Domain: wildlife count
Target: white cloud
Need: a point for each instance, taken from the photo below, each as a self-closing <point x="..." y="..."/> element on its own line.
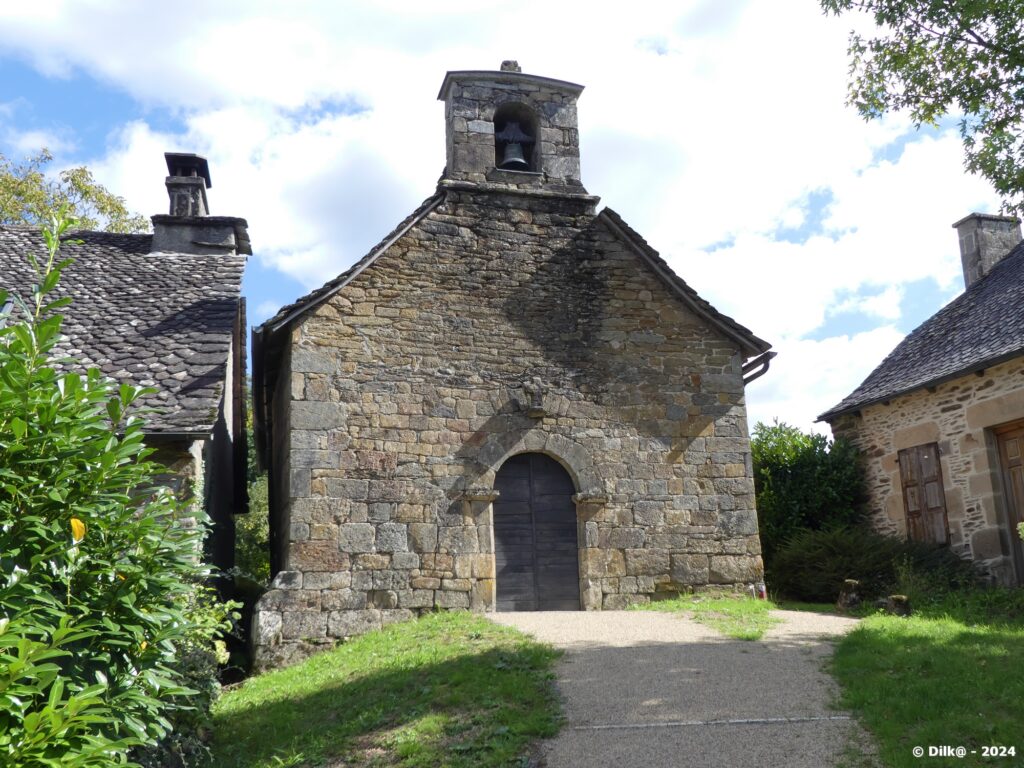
<point x="702" y="123"/>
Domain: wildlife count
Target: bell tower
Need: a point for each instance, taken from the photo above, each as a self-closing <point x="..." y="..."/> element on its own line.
<point x="507" y="130"/>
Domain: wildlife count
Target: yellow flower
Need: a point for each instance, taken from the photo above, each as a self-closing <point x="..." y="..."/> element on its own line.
<point x="144" y="645"/>
<point x="121" y="576"/>
<point x="77" y="530"/>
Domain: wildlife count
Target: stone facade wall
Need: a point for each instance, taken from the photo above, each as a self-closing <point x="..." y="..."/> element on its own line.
<point x="959" y="416"/>
<point x="407" y="394"/>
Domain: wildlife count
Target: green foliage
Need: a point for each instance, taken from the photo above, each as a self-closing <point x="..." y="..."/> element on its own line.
<point x="812" y="565"/>
<point x="449" y="689"/>
<point x="936" y="57"/>
<point x="98" y="567"/>
<point x="28" y="196"/>
<point x="951" y="668"/>
<point x="802" y="482"/>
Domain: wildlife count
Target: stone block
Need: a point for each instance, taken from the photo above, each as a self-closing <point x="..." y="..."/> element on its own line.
<point x="317" y="556"/>
<point x="423" y="537"/>
<point x="290" y="600"/>
<point x="303" y="625"/>
<point x="383" y="598"/>
<point x="315" y="415"/>
<point x="735" y="569"/>
<point x="457" y="539"/>
<point x="313" y="360"/>
<point x="328" y="580"/>
<point x="352" y="623"/>
<point x="345" y="488"/>
<point x="342" y="600"/>
<point x="405" y="561"/>
<point x="392" y="537"/>
<point x="371" y="562"/>
<point x="650" y="562"/>
<point x="622" y="538"/>
<point x="617" y="602"/>
<point x="457" y="585"/>
<point x="287" y="580"/>
<point x="481" y="597"/>
<point x="649" y="513"/>
<point x="450" y="599"/>
<point x="416" y="598"/>
<point x="357" y="537"/>
<point x="266" y="628"/>
<point x="689" y="570"/>
<point x="424" y="582"/>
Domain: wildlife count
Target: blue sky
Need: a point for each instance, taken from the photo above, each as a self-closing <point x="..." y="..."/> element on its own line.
<point x="718" y="130"/>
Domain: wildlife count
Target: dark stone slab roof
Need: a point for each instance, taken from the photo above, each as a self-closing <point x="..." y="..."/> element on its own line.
<point x="162" y="320"/>
<point x="980" y="328"/>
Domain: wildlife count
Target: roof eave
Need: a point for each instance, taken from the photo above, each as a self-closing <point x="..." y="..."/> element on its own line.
<point x="830" y="415"/>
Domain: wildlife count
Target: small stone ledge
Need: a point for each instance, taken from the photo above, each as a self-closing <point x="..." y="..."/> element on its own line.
<point x="590" y="497"/>
<point x="480" y="494"/>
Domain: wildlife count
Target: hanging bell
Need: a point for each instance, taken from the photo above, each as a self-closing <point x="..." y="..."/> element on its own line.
<point x="513" y="159"/>
<point x="514" y="137"/>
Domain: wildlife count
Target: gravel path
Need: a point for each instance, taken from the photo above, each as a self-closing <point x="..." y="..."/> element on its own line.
<point x="658" y="690"/>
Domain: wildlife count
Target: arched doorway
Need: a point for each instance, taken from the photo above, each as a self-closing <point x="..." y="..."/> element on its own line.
<point x="535" y="540"/>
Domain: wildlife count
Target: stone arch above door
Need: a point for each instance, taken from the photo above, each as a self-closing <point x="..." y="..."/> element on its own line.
<point x="569" y="453"/>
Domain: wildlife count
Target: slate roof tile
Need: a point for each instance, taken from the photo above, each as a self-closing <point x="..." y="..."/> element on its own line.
<point x="981" y="327"/>
<point x="155" y="319"/>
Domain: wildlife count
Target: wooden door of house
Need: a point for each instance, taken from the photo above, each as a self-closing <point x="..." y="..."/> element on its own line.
<point x="535" y="541"/>
<point x="1011" y="456"/>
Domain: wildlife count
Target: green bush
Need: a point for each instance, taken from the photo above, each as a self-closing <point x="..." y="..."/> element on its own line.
<point x="802" y="482"/>
<point x="812" y="565"/>
<point x="99" y="568"/>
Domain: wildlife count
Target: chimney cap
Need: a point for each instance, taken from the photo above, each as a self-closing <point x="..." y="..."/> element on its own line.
<point x="987" y="217"/>
<point x="188" y="164"/>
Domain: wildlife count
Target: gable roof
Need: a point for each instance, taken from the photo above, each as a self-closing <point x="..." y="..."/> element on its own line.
<point x="750" y="343"/>
<point x="162" y="320"/>
<point x="733" y="330"/>
<point x="318" y="296"/>
<point x="980" y="328"/>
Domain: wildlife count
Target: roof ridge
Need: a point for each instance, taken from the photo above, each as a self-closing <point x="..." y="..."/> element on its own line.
<point x="942" y="335"/>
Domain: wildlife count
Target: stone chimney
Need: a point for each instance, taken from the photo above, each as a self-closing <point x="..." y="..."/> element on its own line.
<point x="187" y="181"/>
<point x="189" y="227"/>
<point x="984" y="241"/>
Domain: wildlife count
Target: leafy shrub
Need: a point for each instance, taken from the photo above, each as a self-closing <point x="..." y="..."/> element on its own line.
<point x="812" y="565"/>
<point x="98" y="567"/>
<point x="803" y="481"/>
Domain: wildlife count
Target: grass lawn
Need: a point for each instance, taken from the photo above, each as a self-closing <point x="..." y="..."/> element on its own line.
<point x="741" y="618"/>
<point x="451" y="689"/>
<point x="951" y="674"/>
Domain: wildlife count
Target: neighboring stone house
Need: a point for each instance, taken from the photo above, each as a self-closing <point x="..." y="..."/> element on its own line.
<point x="940" y="423"/>
<point x="164" y="310"/>
<point x="510" y="403"/>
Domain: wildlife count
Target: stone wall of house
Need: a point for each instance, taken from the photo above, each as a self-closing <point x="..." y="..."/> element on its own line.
<point x="959" y="416"/>
<point x="407" y="394"/>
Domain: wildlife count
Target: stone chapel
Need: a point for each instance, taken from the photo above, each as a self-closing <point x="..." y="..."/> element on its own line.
<point x="510" y="403"/>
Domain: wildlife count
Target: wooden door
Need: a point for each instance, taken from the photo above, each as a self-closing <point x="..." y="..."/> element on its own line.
<point x="924" y="498"/>
<point x="1011" y="455"/>
<point x="535" y="542"/>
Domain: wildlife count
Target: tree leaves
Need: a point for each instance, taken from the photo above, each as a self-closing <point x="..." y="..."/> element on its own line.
<point x="28" y="195"/>
<point x="934" y="58"/>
